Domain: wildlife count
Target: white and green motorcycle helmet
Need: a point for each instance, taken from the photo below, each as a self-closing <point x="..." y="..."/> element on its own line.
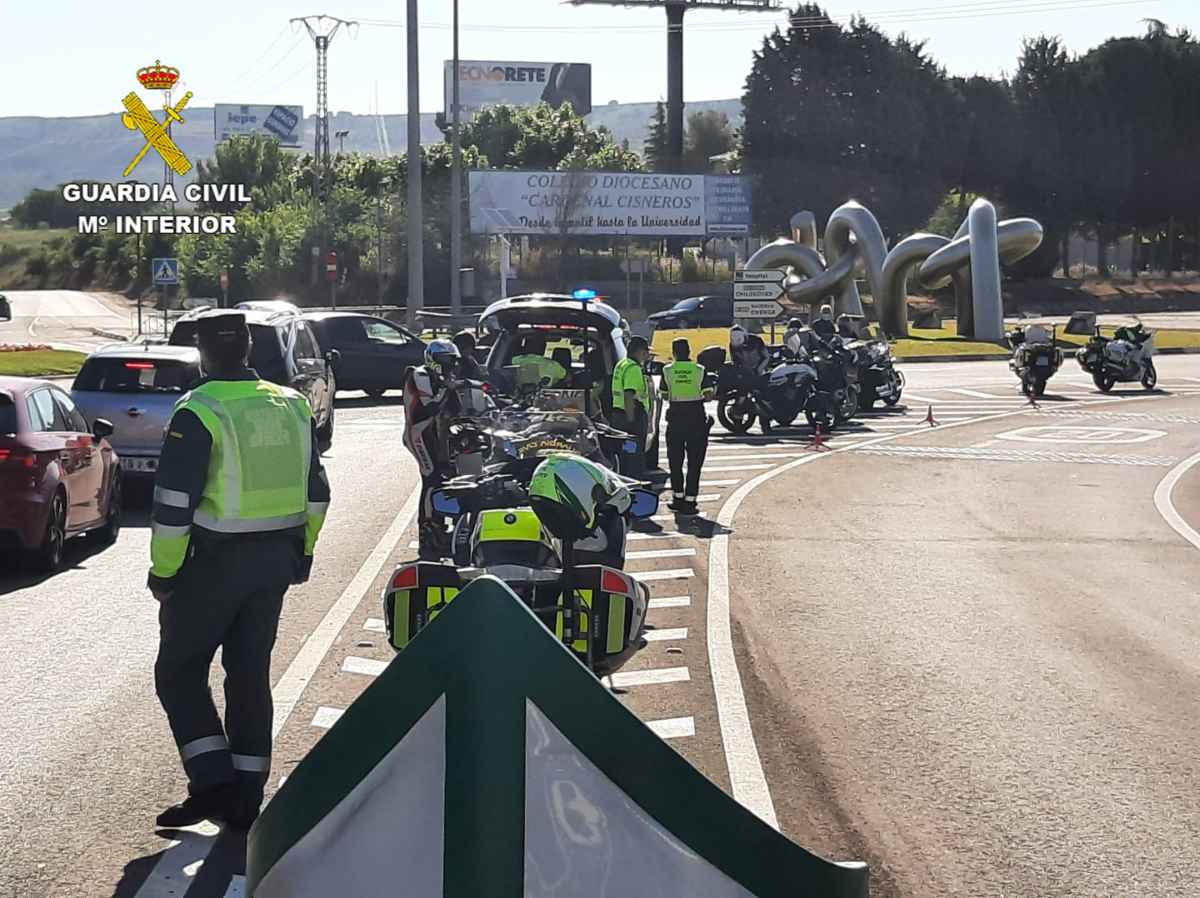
<point x="568" y="491"/>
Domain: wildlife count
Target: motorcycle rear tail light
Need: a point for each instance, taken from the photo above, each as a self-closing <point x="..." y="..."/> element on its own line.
<point x="405" y="578"/>
<point x="613" y="582"/>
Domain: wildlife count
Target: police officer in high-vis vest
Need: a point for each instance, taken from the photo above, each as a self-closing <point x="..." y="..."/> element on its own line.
<point x="631" y="402"/>
<point x="239" y="500"/>
<point x="687" y="425"/>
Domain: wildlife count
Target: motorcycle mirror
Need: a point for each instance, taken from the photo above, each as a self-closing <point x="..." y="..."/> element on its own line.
<point x="447" y="505"/>
<point x="644" y="505"/>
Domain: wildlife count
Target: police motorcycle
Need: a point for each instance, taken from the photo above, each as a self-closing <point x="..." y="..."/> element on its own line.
<point x="878" y="379"/>
<point x="833" y="395"/>
<point x="745" y="396"/>
<point x="1035" y="358"/>
<point x="1124" y="358"/>
<point x="550" y="541"/>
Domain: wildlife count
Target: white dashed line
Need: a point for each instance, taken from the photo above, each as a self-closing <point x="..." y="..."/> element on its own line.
<point x="375" y="625"/>
<point x="365" y="666"/>
<point x="327" y="717"/>
<point x="666" y="634"/>
<point x="660" y="553"/>
<point x="635" y="536"/>
<point x="753" y="456"/>
<point x="673" y="727"/>
<point x="736" y="467"/>
<point x="671" y="602"/>
<point x="733" y="482"/>
<point x="671" y="574"/>
<point x="653" y="677"/>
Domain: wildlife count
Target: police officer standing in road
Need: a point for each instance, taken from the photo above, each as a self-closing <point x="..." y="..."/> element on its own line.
<point x="631" y="402"/>
<point x="687" y="425"/>
<point x="239" y="500"/>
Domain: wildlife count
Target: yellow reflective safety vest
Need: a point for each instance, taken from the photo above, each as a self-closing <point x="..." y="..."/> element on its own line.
<point x="683" y="382"/>
<point x="628" y="375"/>
<point x="261" y="451"/>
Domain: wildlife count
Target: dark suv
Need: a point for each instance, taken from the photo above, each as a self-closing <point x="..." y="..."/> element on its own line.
<point x="284" y="351"/>
<point x="695" y="311"/>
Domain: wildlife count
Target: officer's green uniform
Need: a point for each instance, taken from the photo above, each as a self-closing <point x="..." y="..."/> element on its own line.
<point x="543" y="366"/>
<point x="239" y="500"/>
<point x="628" y="375"/>
<point x="687" y="425"/>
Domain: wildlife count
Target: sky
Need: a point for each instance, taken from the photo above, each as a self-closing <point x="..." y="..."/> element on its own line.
<point x="79" y="57"/>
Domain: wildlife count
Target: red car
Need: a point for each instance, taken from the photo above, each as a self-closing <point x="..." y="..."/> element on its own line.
<point x="57" y="478"/>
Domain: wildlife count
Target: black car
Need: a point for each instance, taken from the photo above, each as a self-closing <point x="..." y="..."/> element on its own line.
<point x="695" y="311"/>
<point x="287" y="352"/>
<point x="373" y="352"/>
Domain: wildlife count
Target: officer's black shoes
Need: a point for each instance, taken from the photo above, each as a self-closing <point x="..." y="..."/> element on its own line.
<point x="210" y="804"/>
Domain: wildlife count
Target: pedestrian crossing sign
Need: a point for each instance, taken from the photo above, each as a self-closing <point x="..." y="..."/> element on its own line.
<point x="165" y="272"/>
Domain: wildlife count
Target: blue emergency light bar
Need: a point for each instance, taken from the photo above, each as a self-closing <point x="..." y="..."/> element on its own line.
<point x="584" y="295"/>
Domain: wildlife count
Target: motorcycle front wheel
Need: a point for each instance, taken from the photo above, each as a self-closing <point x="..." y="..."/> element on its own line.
<point x="1103" y="381"/>
<point x="737" y="415"/>
<point x="849" y="404"/>
<point x="897" y="386"/>
<point x="1149" y="376"/>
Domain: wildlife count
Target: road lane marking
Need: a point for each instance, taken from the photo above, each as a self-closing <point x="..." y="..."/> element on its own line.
<point x="749" y="456"/>
<point x="375" y="625"/>
<point x="733" y="482"/>
<point x="368" y="667"/>
<point x="1165" y="505"/>
<point x="237" y="887"/>
<point x="672" y="574"/>
<point x="961" y="391"/>
<point x="164" y="879"/>
<point x="671" y="602"/>
<point x="1018" y="455"/>
<point x="736" y="467"/>
<point x="327" y="717"/>
<point x="660" y="553"/>
<point x="168" y="879"/>
<point x="655" y="676"/>
<point x="666" y="634"/>
<point x="635" y="535"/>
<point x="673" y="727"/>
<point x="748" y="447"/>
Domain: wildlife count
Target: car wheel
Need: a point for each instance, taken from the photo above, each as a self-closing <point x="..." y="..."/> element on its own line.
<point x="325" y="433"/>
<point x="48" y="556"/>
<point x="107" y="535"/>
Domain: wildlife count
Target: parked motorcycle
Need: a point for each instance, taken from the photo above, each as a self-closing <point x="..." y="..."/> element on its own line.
<point x="577" y="587"/>
<point x="836" y="391"/>
<point x="1126" y="357"/>
<point x="780" y="395"/>
<point x="1035" y="357"/>
<point x="878" y="379"/>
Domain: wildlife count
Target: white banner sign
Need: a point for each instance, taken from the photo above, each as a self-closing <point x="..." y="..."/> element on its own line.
<point x="755" y="290"/>
<point x="756" y="309"/>
<point x="281" y="122"/>
<point x="518" y="84"/>
<point x="587" y="203"/>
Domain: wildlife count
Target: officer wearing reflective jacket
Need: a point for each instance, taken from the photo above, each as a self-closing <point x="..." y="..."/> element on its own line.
<point x="687" y="425"/>
<point x="238" y="503"/>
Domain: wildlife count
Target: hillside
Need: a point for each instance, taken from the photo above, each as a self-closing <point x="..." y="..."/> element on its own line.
<point x="43" y="152"/>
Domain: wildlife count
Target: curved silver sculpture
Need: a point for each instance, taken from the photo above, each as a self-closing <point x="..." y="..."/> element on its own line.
<point x="853" y="237"/>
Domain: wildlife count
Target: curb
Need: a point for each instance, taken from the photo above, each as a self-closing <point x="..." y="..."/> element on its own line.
<point x="112" y="335"/>
<point x="998" y="357"/>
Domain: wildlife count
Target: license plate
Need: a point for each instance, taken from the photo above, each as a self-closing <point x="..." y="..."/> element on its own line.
<point x="140" y="465"/>
<point x="1043" y="362"/>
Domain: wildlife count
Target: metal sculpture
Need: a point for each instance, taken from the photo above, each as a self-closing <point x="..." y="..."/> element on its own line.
<point x="855" y="247"/>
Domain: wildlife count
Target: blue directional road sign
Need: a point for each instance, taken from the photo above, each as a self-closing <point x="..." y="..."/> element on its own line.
<point x="165" y="272"/>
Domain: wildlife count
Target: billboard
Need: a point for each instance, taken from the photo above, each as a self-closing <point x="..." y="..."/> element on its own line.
<point x="482" y="83"/>
<point x="281" y="122"/>
<point x="608" y="203"/>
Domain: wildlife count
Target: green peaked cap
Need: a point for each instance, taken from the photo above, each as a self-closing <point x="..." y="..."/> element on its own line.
<point x="487" y="762"/>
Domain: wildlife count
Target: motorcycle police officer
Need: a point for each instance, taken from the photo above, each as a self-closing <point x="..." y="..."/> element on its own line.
<point x="687" y="425"/>
<point x="428" y="395"/>
<point x="631" y="402"/>
<point x="239" y="500"/>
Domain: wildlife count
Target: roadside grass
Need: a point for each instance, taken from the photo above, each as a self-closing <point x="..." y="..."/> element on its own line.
<point x="40" y="362"/>
<point x="17" y="246"/>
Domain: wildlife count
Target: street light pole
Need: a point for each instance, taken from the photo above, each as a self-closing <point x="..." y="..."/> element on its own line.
<point x="416" y="250"/>
<point x="455" y="183"/>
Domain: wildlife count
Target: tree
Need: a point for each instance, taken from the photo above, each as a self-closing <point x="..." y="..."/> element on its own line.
<point x="708" y="134"/>
<point x="258" y="163"/>
<point x="654" y="150"/>
<point x="834" y="113"/>
<point x="543" y="137"/>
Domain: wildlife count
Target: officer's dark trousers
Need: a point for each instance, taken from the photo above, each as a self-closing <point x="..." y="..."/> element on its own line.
<point x="228" y="595"/>
<point x="632" y="465"/>
<point x="687" y="438"/>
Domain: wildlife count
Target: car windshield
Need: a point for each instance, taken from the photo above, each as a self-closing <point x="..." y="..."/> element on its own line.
<point x="8" y="415"/>
<point x="686" y="305"/>
<point x="264" y="352"/>
<point x="136" y="375"/>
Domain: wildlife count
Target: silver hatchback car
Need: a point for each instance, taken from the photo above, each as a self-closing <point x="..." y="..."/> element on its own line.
<point x="136" y="386"/>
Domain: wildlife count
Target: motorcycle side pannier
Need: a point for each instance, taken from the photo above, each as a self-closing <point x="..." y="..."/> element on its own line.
<point x="414" y="596"/>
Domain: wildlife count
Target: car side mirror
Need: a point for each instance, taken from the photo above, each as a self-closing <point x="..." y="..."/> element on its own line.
<point x="444" y="504"/>
<point x="644" y="505"/>
<point x="333" y="357"/>
<point x="102" y="428"/>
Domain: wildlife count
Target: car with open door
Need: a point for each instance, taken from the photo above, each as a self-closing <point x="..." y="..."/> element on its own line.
<point x="373" y="353"/>
<point x="59" y="478"/>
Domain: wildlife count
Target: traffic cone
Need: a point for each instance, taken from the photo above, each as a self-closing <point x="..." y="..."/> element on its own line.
<point x="1032" y="401"/>
<point x="818" y="440"/>
<point x="929" y="418"/>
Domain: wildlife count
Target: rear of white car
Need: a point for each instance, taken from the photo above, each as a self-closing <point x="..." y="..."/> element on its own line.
<point x="136" y="386"/>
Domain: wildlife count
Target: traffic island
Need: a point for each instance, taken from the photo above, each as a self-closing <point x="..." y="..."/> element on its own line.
<point x="38" y="361"/>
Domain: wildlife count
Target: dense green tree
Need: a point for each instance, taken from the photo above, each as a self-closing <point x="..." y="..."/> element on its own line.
<point x="708" y="134"/>
<point x="654" y="149"/>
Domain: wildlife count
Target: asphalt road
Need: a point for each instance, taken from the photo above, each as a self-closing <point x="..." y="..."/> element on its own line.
<point x="937" y="673"/>
<point x="63" y="318"/>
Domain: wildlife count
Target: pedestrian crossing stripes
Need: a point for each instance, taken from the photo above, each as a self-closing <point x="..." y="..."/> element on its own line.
<point x="659" y="553"/>
<point x="670" y="602"/>
<point x="1123" y="416"/>
<point x="673" y="727"/>
<point x="653" y="677"/>
<point x="666" y="634"/>
<point x="326" y="717"/>
<point x="375" y="625"/>
<point x="682" y="573"/>
<point x="976" y="453"/>
<point x="366" y="666"/>
<point x="759" y="467"/>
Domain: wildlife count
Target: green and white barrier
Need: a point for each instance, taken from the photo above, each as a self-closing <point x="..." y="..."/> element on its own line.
<point x="487" y="762"/>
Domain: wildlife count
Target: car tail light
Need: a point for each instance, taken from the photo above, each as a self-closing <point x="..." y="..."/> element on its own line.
<point x="405" y="578"/>
<point x="22" y="457"/>
<point x="140" y="366"/>
<point x="614" y="582"/>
